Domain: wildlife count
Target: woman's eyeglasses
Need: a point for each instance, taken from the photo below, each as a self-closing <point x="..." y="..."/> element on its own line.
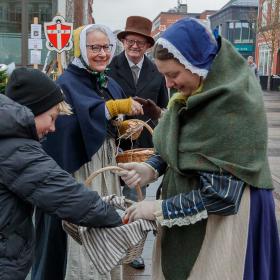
<point x="98" y="48"/>
<point x="140" y="44"/>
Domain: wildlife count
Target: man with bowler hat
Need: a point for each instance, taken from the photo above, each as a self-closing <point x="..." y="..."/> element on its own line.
<point x="140" y="79"/>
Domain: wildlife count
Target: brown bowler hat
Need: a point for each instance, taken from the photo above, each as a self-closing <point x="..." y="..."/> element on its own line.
<point x="138" y="25"/>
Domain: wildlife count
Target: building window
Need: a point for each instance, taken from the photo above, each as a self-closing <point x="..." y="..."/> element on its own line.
<point x="41" y="10"/>
<point x="274" y="4"/>
<point x="264" y="59"/>
<point x="245" y="32"/>
<point x="240" y="32"/>
<point x="220" y="29"/>
<point x="156" y="24"/>
<point x="230" y="31"/>
<point x="10" y="32"/>
<point x="237" y="32"/>
<point x="1" y="13"/>
<point x="11" y="29"/>
<point x="264" y="13"/>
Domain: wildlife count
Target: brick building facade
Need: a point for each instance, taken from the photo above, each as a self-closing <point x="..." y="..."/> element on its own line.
<point x="268" y="31"/>
<point x="165" y="19"/>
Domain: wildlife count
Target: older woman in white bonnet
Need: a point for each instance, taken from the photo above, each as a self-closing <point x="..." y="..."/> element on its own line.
<point x="97" y="45"/>
<point x="86" y="142"/>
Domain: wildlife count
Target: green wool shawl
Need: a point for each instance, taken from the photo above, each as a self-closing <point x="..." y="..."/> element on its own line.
<point x="223" y="128"/>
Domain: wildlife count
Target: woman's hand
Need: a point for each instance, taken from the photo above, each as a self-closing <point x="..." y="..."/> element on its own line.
<point x="126" y="106"/>
<point x="142" y="210"/>
<point x="136" y="109"/>
<point x="137" y="173"/>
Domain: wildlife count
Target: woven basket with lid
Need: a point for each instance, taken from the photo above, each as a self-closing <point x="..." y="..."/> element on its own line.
<point x="136" y="155"/>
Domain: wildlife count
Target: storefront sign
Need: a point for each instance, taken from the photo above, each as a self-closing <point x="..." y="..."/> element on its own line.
<point x="244" y="47"/>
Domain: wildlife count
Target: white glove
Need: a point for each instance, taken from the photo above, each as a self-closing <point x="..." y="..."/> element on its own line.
<point x="142" y="210"/>
<point x="135" y="173"/>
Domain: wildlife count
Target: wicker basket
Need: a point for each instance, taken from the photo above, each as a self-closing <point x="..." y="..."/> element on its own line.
<point x="73" y="230"/>
<point x="137" y="155"/>
<point x="131" y="254"/>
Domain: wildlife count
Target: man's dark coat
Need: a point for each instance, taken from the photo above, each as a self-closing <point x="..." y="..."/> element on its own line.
<point x="151" y="84"/>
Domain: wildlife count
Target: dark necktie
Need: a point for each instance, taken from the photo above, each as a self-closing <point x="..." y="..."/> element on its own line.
<point x="135" y="71"/>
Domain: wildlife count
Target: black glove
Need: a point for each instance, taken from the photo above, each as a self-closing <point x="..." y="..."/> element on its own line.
<point x="150" y="108"/>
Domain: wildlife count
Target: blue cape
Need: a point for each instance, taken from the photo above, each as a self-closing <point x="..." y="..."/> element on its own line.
<point x="79" y="136"/>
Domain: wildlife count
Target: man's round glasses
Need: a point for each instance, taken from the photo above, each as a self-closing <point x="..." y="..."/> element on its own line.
<point x="140" y="44"/>
<point x="98" y="48"/>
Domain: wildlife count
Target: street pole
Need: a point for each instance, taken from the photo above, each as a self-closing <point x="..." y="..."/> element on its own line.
<point x="24" y="32"/>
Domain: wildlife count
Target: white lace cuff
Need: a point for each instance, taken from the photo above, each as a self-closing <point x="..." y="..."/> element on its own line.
<point x="185" y="221"/>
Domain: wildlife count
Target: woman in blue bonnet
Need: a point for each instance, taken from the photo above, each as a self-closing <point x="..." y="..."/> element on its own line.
<point x="215" y="211"/>
<point x="85" y="142"/>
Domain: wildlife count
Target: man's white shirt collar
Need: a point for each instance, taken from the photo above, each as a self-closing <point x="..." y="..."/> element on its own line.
<point x="139" y="64"/>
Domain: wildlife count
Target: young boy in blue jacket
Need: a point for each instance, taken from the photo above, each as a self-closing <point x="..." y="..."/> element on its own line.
<point x="29" y="177"/>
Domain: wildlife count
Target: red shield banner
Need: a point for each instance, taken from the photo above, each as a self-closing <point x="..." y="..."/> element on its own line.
<point x="58" y="34"/>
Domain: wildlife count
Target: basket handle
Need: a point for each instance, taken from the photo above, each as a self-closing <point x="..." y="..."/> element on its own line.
<point x="139" y="192"/>
<point x="144" y="124"/>
<point x="89" y="179"/>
